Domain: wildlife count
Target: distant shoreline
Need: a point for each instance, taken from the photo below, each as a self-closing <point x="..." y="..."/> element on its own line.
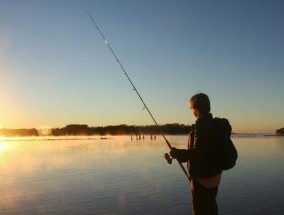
<point x="113" y="130"/>
<point x="85" y="130"/>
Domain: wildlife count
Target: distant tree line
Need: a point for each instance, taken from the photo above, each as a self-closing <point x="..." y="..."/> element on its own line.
<point x="280" y="131"/>
<point x="18" y="132"/>
<point x="75" y="129"/>
<point x="79" y="129"/>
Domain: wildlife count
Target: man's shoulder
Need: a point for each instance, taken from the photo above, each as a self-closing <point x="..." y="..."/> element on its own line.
<point x="204" y="122"/>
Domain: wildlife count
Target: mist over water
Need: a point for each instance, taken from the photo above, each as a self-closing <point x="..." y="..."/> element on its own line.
<point x="120" y="176"/>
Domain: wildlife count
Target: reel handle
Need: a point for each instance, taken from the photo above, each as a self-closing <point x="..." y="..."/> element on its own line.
<point x="168" y="158"/>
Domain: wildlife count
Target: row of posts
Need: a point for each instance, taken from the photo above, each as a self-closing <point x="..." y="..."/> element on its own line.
<point x="142" y="137"/>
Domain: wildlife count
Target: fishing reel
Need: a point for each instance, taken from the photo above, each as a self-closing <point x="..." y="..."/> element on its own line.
<point x="168" y="158"/>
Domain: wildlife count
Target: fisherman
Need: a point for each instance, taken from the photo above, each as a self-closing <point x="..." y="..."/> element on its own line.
<point x="204" y="177"/>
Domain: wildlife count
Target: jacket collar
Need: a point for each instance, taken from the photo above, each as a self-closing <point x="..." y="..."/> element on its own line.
<point x="204" y="118"/>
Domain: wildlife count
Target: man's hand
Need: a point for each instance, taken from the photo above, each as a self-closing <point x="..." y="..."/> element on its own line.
<point x="179" y="154"/>
<point x="174" y="153"/>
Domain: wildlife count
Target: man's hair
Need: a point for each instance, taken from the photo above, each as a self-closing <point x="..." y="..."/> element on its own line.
<point x="200" y="102"/>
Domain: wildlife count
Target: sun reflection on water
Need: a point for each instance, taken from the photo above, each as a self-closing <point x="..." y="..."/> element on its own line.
<point x="3" y="145"/>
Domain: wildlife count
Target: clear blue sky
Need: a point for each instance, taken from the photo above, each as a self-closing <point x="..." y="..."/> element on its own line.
<point x="56" y="70"/>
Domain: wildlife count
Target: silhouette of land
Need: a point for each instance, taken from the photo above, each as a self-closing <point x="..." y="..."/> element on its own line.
<point x="280" y="131"/>
<point x="82" y="129"/>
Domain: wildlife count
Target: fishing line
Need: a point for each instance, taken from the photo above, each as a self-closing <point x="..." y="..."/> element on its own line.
<point x="134" y="88"/>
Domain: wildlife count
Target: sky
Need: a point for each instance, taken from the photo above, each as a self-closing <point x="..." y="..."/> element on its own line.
<point x="55" y="69"/>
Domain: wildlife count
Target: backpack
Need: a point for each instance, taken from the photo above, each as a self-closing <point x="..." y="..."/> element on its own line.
<point x="224" y="154"/>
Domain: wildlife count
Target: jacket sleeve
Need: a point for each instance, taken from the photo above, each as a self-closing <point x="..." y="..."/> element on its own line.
<point x="200" y="136"/>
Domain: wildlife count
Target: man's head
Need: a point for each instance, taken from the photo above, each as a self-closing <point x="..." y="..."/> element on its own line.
<point x="200" y="104"/>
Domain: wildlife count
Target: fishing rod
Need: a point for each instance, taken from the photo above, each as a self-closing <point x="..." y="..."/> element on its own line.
<point x="140" y="97"/>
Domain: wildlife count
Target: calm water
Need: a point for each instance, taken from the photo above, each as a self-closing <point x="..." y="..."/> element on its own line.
<point x="120" y="176"/>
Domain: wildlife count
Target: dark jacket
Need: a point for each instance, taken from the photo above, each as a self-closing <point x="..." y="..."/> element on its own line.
<point x="201" y="139"/>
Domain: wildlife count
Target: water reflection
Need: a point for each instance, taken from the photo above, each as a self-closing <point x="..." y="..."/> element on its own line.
<point x="4" y="146"/>
<point x="120" y="176"/>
